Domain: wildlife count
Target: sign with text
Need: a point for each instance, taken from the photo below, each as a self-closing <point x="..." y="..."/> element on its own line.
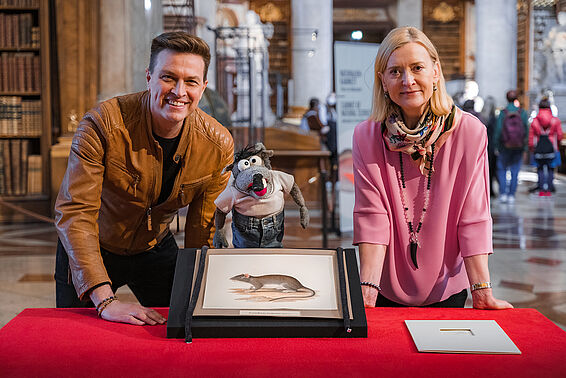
<point x="353" y="73"/>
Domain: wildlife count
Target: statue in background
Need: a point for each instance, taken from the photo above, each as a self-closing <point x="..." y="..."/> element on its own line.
<point x="242" y="48"/>
<point x="555" y="48"/>
<point x="471" y="92"/>
<point x="252" y="43"/>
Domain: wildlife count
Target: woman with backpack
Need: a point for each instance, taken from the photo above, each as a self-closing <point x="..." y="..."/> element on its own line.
<point x="544" y="138"/>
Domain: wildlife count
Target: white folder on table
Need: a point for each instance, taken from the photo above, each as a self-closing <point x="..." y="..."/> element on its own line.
<point x="461" y="336"/>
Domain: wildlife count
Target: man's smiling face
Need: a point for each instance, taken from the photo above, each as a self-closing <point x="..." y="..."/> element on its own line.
<point x="175" y="86"/>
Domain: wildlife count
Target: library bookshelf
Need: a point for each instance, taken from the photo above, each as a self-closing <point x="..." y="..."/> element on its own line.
<point x="25" y="108"/>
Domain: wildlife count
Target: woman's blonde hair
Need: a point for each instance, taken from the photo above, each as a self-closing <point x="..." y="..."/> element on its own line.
<point x="440" y="102"/>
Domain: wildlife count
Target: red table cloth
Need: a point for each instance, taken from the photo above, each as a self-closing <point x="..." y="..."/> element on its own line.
<point x="74" y="342"/>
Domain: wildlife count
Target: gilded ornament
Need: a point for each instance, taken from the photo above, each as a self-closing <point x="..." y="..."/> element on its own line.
<point x="444" y="13"/>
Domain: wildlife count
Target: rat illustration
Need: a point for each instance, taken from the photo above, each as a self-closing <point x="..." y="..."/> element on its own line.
<point x="281" y="280"/>
<point x="255" y="195"/>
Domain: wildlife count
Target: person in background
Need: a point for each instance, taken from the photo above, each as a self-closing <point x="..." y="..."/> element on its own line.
<point x="421" y="215"/>
<point x="135" y="160"/>
<point x="511" y="137"/>
<point x="469" y="107"/>
<point x="489" y="115"/>
<point x="311" y="120"/>
<point x="329" y="117"/>
<point x="544" y="141"/>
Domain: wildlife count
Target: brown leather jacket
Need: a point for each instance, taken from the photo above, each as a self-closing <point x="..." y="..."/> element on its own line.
<point x="113" y="179"/>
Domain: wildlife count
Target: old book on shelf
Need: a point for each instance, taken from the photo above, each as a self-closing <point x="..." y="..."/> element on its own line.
<point x="1" y="168"/>
<point x="24" y="151"/>
<point x="3" y="115"/>
<point x="4" y="76"/>
<point x="15" y="114"/>
<point x="7" y="167"/>
<point x="15" y="163"/>
<point x="34" y="175"/>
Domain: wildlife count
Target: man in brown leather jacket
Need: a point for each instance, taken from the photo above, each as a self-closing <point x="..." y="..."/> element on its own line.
<point x="135" y="160"/>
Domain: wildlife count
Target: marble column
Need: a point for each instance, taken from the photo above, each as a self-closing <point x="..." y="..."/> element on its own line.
<point x="410" y="13"/>
<point x="496" y="51"/>
<point x="126" y="30"/>
<point x="206" y="10"/>
<point x="312" y="54"/>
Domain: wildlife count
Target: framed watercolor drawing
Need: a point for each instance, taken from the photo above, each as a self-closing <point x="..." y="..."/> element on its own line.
<point x="267" y="293"/>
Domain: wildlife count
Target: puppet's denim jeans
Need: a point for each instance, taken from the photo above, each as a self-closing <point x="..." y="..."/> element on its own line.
<point x="251" y="232"/>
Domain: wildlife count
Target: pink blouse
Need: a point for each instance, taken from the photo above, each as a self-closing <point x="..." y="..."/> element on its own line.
<point x="457" y="223"/>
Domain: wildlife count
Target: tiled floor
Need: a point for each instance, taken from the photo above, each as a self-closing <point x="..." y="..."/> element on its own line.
<point x="528" y="267"/>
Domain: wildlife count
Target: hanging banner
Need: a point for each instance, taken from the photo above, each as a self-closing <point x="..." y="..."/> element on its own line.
<point x="353" y="74"/>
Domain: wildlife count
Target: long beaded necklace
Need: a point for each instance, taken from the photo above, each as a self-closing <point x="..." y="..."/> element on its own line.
<point x="414" y="240"/>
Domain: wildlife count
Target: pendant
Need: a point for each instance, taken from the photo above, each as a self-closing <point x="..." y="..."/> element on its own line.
<point x="414" y="246"/>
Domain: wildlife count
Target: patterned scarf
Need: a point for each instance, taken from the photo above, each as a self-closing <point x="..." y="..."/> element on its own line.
<point x="417" y="142"/>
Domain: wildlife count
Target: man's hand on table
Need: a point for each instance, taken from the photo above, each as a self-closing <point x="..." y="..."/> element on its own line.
<point x="131" y="313"/>
<point x="117" y="311"/>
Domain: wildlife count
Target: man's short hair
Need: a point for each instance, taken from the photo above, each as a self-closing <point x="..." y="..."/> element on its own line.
<point x="512" y="95"/>
<point x="313" y="103"/>
<point x="182" y="42"/>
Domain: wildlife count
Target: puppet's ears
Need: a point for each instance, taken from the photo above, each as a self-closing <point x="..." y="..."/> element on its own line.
<point x="228" y="168"/>
<point x="259" y="147"/>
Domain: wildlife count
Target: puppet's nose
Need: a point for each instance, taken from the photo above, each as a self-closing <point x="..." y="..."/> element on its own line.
<point x="258" y="182"/>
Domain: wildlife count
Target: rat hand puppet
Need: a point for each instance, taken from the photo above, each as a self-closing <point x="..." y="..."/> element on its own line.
<point x="255" y="195"/>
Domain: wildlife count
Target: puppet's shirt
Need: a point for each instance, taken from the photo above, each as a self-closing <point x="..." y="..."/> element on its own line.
<point x="270" y="204"/>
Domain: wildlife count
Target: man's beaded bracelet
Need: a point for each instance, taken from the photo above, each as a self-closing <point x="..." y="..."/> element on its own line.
<point x="371" y="284"/>
<point x="480" y="285"/>
<point x="102" y="305"/>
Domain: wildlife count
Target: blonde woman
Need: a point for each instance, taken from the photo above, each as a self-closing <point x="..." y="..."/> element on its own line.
<point x="421" y="215"/>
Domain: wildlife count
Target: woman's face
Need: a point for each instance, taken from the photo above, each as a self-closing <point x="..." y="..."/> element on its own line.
<point x="409" y="78"/>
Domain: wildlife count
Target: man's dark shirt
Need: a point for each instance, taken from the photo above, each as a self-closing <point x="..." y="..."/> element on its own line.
<point x="170" y="167"/>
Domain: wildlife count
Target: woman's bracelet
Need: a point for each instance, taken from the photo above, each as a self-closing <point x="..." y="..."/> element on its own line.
<point x="102" y="305"/>
<point x="371" y="284"/>
<point x="480" y="285"/>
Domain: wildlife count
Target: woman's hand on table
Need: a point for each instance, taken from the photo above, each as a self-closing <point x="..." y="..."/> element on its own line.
<point x="370" y="296"/>
<point x="131" y="313"/>
<point x="371" y="265"/>
<point x="484" y="300"/>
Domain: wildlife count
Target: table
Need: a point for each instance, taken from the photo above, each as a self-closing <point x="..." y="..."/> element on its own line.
<point x="73" y="342"/>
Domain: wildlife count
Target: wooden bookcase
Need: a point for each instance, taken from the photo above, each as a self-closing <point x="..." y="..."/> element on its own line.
<point x="444" y="22"/>
<point x="25" y="107"/>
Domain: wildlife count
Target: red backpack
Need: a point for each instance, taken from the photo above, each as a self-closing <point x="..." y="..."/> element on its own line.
<point x="513" y="133"/>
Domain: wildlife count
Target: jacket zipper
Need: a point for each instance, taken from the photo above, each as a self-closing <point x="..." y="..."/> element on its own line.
<point x="182" y="193"/>
<point x="136" y="182"/>
<point x="152" y="177"/>
<point x="148" y="212"/>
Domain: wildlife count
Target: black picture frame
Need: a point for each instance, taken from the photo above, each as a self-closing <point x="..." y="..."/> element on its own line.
<point x="265" y="326"/>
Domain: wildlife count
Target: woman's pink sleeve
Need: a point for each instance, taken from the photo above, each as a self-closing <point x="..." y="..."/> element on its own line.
<point x="371" y="220"/>
<point x="475" y="225"/>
